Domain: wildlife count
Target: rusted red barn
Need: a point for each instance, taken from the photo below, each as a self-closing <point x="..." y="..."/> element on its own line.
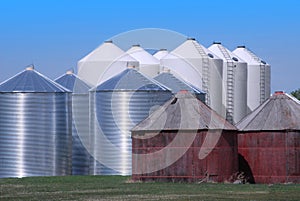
<point x="269" y="141"/>
<point x="184" y="140"/>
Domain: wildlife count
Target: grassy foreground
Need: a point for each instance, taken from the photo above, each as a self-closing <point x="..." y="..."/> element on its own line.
<point x="121" y="188"/>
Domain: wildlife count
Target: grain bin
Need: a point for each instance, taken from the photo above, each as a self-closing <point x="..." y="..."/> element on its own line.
<point x="176" y="84"/>
<point x="117" y="105"/>
<point x="234" y="82"/>
<point x="148" y="64"/>
<point x="200" y="67"/>
<point x="259" y="78"/>
<point x="161" y="53"/>
<point x="184" y="140"/>
<point x="269" y="141"/>
<point x="80" y="123"/>
<point x="103" y="63"/>
<point x="35" y="126"/>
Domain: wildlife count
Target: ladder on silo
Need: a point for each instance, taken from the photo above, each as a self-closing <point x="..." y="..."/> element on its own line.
<point x="229" y="84"/>
<point x="262" y="81"/>
<point x="205" y="72"/>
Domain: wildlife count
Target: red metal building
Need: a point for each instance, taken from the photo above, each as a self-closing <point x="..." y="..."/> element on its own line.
<point x="184" y="140"/>
<point x="269" y="141"/>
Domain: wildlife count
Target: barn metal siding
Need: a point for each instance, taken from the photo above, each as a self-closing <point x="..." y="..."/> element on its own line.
<point x="220" y="164"/>
<point x="271" y="156"/>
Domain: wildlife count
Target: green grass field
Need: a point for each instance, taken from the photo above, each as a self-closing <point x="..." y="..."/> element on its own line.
<point x="121" y="188"/>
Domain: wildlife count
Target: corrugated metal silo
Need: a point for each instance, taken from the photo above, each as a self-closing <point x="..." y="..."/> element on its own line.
<point x="259" y="78"/>
<point x="103" y="63"/>
<point x="234" y="82"/>
<point x="269" y="141"/>
<point x="35" y="126"/>
<point x="148" y="64"/>
<point x="200" y="67"/>
<point x="117" y="105"/>
<point x="176" y="84"/>
<point x="80" y="127"/>
<point x="184" y="140"/>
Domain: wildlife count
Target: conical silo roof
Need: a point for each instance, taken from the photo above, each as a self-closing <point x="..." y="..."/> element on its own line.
<point x="248" y="56"/>
<point x="130" y="79"/>
<point x="103" y="63"/>
<point x="31" y="81"/>
<point x="222" y="52"/>
<point x="280" y="112"/>
<point x="73" y="83"/>
<point x="184" y="112"/>
<point x="161" y="53"/>
<point x="175" y="83"/>
<point x="142" y="55"/>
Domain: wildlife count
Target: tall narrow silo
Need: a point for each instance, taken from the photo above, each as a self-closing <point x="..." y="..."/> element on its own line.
<point x="259" y="78"/>
<point x="35" y="126"/>
<point x="176" y="84"/>
<point x="104" y="62"/>
<point x="117" y="105"/>
<point x="234" y="81"/>
<point x="148" y="64"/>
<point x="200" y="67"/>
<point x="80" y="126"/>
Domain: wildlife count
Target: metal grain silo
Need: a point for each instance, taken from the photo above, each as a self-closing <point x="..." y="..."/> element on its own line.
<point x="234" y="82"/>
<point x="269" y="141"/>
<point x="148" y="64"/>
<point x="184" y="140"/>
<point x="117" y="105"/>
<point x="259" y="78"/>
<point x="80" y="123"/>
<point x="176" y="84"/>
<point x="200" y="67"/>
<point x="35" y="126"/>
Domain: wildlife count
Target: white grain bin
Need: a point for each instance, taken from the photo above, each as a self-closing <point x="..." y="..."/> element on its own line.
<point x="103" y="63"/>
<point x="234" y="81"/>
<point x="149" y="65"/>
<point x="161" y="53"/>
<point x="80" y="116"/>
<point x="200" y="67"/>
<point x="176" y="84"/>
<point x="259" y="78"/>
<point x="35" y="126"/>
<point x="117" y="105"/>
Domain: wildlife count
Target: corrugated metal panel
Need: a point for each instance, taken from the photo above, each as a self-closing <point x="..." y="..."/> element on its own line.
<point x="279" y="112"/>
<point x="35" y="127"/>
<point x="80" y="126"/>
<point x="116" y="107"/>
<point x="184" y="112"/>
<point x="176" y="84"/>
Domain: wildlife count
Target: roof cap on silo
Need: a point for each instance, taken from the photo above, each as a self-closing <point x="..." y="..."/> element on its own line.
<point x="280" y="112"/>
<point x="108" y="41"/>
<point x="136" y="45"/>
<point x="191" y="114"/>
<point x="130" y="80"/>
<point x="191" y="38"/>
<point x="163" y="49"/>
<point x="217" y="43"/>
<point x="241" y="46"/>
<point x="31" y="81"/>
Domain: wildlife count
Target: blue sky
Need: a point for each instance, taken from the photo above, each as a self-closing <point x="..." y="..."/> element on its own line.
<point x="55" y="34"/>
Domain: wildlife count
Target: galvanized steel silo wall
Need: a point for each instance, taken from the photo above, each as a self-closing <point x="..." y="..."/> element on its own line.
<point x="115" y="113"/>
<point x="35" y="134"/>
